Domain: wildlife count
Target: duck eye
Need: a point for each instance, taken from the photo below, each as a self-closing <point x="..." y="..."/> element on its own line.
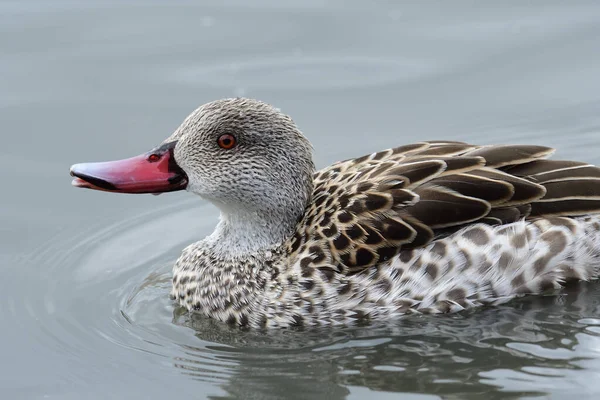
<point x="226" y="141"/>
<point x="153" y="157"/>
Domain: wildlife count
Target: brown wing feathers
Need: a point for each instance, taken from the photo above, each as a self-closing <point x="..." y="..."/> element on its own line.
<point x="365" y="210"/>
<point x="572" y="188"/>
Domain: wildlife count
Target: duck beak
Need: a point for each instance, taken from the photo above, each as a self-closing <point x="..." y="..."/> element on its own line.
<point x="154" y="172"/>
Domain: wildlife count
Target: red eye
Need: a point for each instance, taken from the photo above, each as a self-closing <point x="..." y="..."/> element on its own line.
<point x="227" y="141"/>
<point x="153" y="157"/>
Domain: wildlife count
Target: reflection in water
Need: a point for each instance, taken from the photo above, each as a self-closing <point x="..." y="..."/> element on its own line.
<point x="459" y="355"/>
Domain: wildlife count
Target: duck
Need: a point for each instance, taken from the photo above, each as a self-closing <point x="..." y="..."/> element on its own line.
<point x="432" y="227"/>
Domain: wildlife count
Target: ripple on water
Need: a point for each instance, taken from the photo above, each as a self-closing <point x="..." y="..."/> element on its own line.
<point x="106" y="299"/>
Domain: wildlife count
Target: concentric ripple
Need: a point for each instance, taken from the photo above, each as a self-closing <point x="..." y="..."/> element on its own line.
<point x="114" y="309"/>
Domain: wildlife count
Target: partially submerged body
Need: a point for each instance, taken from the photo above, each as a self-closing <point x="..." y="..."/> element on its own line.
<point x="431" y="227"/>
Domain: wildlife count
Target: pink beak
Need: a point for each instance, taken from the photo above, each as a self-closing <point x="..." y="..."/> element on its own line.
<point x="153" y="172"/>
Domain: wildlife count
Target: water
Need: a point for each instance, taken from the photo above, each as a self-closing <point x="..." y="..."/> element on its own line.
<point x="84" y="310"/>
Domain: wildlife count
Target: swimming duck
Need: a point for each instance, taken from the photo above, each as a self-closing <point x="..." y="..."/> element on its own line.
<point x="429" y="227"/>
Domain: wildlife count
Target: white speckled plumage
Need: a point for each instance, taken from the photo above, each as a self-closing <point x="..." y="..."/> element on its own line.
<point x="430" y="227"/>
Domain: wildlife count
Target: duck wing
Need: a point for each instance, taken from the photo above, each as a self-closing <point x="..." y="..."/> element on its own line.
<point x="364" y="211"/>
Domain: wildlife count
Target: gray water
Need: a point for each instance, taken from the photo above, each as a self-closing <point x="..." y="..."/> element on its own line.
<point x="84" y="307"/>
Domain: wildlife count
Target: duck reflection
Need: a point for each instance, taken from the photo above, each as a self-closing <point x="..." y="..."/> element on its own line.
<point x="453" y="356"/>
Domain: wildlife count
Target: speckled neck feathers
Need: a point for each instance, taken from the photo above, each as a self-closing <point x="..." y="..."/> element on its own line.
<point x="239" y="233"/>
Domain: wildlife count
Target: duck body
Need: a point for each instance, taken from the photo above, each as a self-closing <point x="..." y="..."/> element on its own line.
<point x="430" y="227"/>
<point x="477" y="266"/>
<point x="364" y="250"/>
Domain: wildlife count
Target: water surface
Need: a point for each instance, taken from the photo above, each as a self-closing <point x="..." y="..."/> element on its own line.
<point x="84" y="309"/>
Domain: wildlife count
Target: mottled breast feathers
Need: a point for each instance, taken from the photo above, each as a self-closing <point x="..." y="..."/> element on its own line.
<point x="365" y="210"/>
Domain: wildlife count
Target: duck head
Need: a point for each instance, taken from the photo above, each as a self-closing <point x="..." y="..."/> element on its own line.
<point x="243" y="155"/>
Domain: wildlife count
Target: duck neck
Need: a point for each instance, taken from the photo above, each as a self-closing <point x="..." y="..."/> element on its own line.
<point x="243" y="233"/>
